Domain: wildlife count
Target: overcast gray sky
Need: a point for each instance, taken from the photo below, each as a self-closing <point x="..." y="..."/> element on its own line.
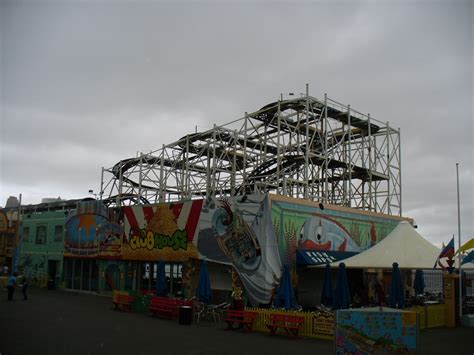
<point x="84" y="84"/>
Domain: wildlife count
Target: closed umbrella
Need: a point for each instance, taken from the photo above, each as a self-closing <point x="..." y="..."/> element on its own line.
<point x="286" y="295"/>
<point x="203" y="291"/>
<point x="419" y="282"/>
<point x="342" y="296"/>
<point x="327" y="297"/>
<point x="161" y="285"/>
<point x="396" y="296"/>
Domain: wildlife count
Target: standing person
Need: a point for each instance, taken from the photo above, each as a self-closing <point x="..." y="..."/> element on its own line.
<point x="11" y="286"/>
<point x="5" y="270"/>
<point x="24" y="288"/>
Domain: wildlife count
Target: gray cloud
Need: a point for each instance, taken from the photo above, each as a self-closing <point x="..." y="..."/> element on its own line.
<point x="84" y="84"/>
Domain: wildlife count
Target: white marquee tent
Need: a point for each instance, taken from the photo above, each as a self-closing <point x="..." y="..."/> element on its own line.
<point x="403" y="245"/>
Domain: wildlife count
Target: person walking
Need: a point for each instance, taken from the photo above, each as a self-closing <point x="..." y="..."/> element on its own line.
<point x="11" y="286"/>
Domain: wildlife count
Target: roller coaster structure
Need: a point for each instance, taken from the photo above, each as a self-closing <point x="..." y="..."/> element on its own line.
<point x="301" y="147"/>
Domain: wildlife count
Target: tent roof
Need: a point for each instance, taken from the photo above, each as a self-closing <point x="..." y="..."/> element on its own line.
<point x="403" y="245"/>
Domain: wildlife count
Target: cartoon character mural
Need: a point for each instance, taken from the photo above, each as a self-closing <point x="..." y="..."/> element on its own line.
<point x="236" y="238"/>
<point x="110" y="239"/>
<point x="239" y="232"/>
<point x="323" y="233"/>
<point x="332" y="228"/>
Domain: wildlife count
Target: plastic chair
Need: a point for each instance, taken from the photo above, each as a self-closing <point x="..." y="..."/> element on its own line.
<point x="215" y="312"/>
<point x="198" y="309"/>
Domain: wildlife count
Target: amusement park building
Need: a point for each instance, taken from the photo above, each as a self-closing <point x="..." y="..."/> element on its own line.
<point x="97" y="249"/>
<point x="300" y="181"/>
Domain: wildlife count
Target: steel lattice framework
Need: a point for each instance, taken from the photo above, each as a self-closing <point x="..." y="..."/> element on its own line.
<point x="302" y="147"/>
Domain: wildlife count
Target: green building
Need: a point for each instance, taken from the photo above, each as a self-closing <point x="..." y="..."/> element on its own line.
<point x="42" y="247"/>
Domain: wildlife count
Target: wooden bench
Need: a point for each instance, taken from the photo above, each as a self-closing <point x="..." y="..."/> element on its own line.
<point x="290" y="323"/>
<point x="167" y="307"/>
<point x="123" y="302"/>
<point x="243" y="319"/>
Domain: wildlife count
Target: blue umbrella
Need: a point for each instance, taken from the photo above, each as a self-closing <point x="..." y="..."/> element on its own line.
<point x="161" y="285"/>
<point x="327" y="294"/>
<point x="396" y="296"/>
<point x="419" y="282"/>
<point x="203" y="291"/>
<point x="342" y="296"/>
<point x="285" y="297"/>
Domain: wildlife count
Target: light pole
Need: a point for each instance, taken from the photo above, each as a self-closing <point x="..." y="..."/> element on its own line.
<point x="459" y="245"/>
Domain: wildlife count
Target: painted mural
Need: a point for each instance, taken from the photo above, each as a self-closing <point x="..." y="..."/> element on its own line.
<point x="161" y="232"/>
<point x="93" y="231"/>
<point x="81" y="229"/>
<point x="310" y="227"/>
<point x="239" y="231"/>
<point x="110" y="239"/>
<point x="371" y="331"/>
<point x="256" y="234"/>
<point x="235" y="231"/>
<point x="34" y="267"/>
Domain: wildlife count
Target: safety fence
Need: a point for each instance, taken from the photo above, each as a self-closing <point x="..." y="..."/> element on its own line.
<point x="431" y="316"/>
<point x="317" y="325"/>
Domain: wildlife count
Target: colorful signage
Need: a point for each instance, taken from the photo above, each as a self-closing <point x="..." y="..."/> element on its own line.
<point x="323" y="325"/>
<point x="161" y="232"/>
<point x="372" y="331"/>
<point x="82" y="229"/>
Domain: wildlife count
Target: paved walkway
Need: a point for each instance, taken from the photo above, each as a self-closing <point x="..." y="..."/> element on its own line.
<point x="66" y="323"/>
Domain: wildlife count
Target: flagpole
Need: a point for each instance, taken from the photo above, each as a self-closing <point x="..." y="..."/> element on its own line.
<point x="459" y="245"/>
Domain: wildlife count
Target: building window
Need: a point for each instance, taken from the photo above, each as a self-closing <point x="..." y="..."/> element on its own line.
<point x="41" y="232"/>
<point x="26" y="233"/>
<point x="58" y="233"/>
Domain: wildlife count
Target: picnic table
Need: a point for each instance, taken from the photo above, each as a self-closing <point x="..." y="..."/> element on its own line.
<point x="122" y="302"/>
<point x="241" y="318"/>
<point x="167" y="307"/>
<point x="290" y="323"/>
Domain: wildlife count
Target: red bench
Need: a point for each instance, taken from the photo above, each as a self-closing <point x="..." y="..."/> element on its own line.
<point x="241" y="318"/>
<point x="290" y="323"/>
<point x="123" y="302"/>
<point x="167" y="307"/>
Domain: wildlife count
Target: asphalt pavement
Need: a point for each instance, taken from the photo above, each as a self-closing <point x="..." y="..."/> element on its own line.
<point x="67" y="323"/>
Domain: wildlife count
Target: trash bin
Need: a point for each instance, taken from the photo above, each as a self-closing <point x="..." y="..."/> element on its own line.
<point x="50" y="284"/>
<point x="185" y="315"/>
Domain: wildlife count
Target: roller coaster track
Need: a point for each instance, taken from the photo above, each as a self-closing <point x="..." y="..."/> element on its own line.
<point x="285" y="163"/>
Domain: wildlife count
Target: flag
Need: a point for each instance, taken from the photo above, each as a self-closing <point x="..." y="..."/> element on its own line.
<point x="468" y="245"/>
<point x="446" y="252"/>
<point x="469" y="258"/>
